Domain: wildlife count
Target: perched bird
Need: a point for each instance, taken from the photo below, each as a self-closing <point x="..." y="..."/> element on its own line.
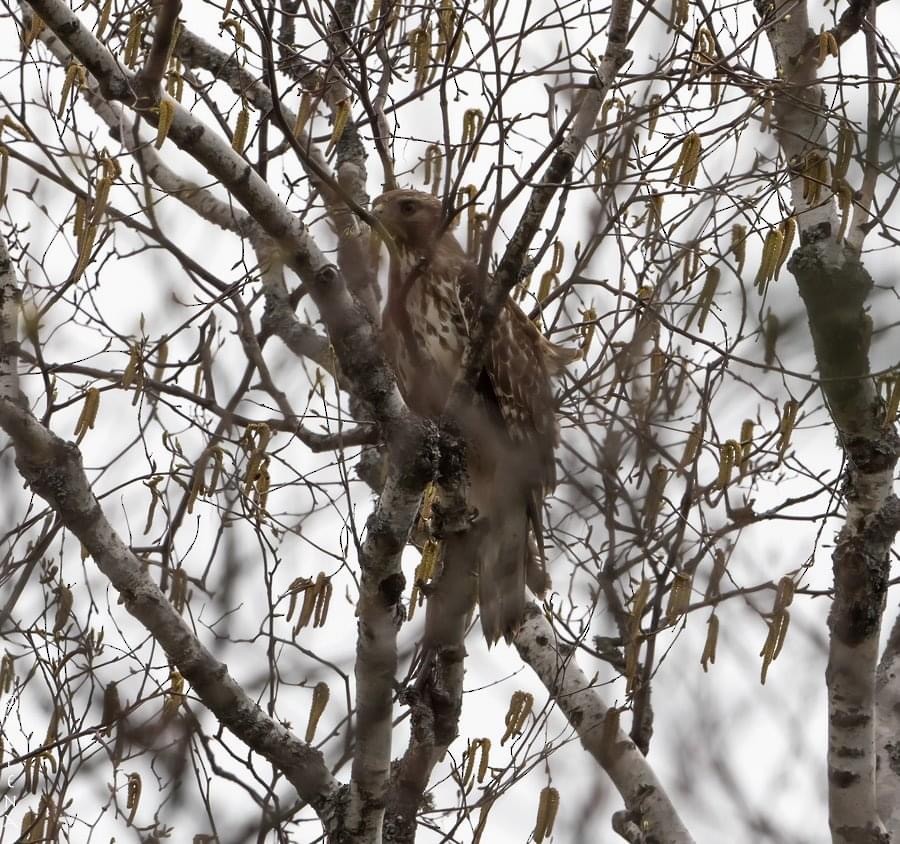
<point x="511" y="429"/>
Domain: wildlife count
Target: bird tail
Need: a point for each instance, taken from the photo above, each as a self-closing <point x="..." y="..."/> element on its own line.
<point x="506" y="535"/>
<point x="504" y="551"/>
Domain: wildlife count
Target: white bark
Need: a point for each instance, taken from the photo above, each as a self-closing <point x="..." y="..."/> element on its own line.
<point x="376" y="657"/>
<point x="799" y="108"/>
<point x="834" y="288"/>
<point x="887" y="734"/>
<point x="851" y="747"/>
<point x="644" y="796"/>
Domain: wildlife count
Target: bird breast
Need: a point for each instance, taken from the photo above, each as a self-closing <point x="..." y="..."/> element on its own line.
<point x="437" y="329"/>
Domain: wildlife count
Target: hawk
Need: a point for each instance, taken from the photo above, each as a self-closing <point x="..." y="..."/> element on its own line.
<point x="510" y="431"/>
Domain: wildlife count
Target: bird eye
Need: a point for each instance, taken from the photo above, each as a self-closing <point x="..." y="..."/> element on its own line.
<point x="408" y="206"/>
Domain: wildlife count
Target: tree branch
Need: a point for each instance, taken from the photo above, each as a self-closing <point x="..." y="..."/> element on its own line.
<point x="151" y="75"/>
<point x="412" y="442"/>
<point x="887" y="733"/>
<point x="644" y="796"/>
<point x="53" y="469"/>
<point x="834" y="287"/>
<point x="561" y="165"/>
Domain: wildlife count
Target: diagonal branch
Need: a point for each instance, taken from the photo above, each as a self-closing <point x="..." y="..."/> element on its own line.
<point x="350" y="328"/>
<point x="555" y="176"/>
<point x="645" y="798"/>
<point x="53" y="469"/>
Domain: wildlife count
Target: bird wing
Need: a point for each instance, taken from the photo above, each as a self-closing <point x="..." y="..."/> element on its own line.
<point x="518" y="370"/>
<point x="514" y="465"/>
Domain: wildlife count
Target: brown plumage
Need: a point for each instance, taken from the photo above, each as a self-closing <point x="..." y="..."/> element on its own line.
<point x="511" y="431"/>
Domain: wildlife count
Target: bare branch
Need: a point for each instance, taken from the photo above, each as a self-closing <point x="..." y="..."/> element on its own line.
<point x="155" y="66"/>
<point x="53" y="469"/>
<point x="644" y="796"/>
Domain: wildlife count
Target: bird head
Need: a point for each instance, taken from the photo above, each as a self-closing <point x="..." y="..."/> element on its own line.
<point x="411" y="217"/>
